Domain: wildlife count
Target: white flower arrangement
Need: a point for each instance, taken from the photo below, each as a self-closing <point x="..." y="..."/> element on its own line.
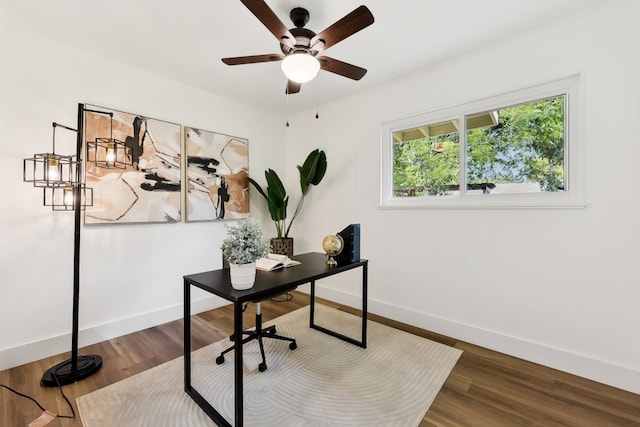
<point x="244" y="243"/>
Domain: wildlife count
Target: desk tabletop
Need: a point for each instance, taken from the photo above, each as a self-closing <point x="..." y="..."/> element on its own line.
<point x="268" y="283"/>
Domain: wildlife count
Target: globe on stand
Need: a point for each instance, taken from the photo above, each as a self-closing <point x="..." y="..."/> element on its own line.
<point x="332" y="245"/>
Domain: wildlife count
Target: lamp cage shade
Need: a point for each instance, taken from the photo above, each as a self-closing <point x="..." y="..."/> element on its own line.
<point x="63" y="198"/>
<point x="51" y="170"/>
<point x="109" y="153"/>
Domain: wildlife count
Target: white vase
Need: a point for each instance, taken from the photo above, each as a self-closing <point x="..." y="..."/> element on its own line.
<point x="242" y="275"/>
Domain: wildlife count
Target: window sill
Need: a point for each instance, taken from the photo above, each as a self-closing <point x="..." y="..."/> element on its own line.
<point x="523" y="201"/>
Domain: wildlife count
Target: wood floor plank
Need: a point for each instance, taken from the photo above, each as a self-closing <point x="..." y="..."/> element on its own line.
<point x="617" y="404"/>
<point x="486" y="388"/>
<point x="452" y="408"/>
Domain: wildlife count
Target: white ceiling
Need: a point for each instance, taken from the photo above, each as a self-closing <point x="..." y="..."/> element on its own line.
<point x="184" y="40"/>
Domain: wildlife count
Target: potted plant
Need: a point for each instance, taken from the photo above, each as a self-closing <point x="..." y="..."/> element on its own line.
<point x="311" y="173"/>
<point x="242" y="247"/>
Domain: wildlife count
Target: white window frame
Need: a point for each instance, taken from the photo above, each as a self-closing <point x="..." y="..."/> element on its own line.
<point x="571" y="197"/>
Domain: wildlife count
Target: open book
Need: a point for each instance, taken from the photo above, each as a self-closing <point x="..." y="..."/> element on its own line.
<point x="275" y="261"/>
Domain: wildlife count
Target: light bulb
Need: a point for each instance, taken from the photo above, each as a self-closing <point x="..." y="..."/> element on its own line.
<point x="111" y="154"/>
<point x="53" y="174"/>
<point x="67" y="197"/>
<point x="300" y="67"/>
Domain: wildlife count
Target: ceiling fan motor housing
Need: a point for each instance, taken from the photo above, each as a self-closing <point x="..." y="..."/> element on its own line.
<point x="303" y="39"/>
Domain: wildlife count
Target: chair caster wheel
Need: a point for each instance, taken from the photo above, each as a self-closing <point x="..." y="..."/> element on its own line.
<point x="293" y="346"/>
<point x="262" y="367"/>
<point x="220" y="360"/>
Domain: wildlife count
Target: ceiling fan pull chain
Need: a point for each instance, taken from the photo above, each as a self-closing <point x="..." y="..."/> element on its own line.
<point x="317" y="96"/>
<point x="286" y="95"/>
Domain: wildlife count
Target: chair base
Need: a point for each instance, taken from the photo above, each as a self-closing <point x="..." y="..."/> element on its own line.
<point x="258" y="334"/>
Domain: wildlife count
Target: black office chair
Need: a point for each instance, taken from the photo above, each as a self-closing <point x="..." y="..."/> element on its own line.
<point x="258" y="334"/>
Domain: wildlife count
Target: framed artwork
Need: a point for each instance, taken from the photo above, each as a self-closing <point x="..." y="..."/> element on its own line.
<point x="133" y="164"/>
<point x="217" y="174"/>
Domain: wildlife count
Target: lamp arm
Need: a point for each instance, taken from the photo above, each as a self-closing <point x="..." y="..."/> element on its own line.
<point x="63" y="126"/>
<point x="55" y="125"/>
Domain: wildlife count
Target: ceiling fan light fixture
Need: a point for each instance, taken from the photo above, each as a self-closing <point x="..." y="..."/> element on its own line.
<point x="300" y="67"/>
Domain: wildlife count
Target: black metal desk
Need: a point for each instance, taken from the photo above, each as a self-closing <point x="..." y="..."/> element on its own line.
<point x="268" y="284"/>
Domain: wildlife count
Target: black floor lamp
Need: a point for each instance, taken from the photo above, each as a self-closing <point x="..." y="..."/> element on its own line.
<point x="61" y="180"/>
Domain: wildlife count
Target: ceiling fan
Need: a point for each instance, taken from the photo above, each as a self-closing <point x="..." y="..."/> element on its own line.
<point x="300" y="46"/>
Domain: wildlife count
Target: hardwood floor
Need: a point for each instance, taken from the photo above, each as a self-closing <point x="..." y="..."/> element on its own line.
<point x="486" y="388"/>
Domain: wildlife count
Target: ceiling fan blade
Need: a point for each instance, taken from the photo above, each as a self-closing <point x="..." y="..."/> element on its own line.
<point x="252" y="59"/>
<point x="264" y="13"/>
<point x="292" y="87"/>
<point x="352" y="23"/>
<point x="342" y="68"/>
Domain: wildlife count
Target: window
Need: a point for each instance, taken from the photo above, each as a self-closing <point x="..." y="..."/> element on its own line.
<point x="520" y="149"/>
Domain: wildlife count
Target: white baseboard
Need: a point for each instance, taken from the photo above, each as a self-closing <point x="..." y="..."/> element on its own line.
<point x="622" y="377"/>
<point x="37" y="350"/>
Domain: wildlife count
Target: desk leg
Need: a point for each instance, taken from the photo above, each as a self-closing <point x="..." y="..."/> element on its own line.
<point x="363" y="342"/>
<point x="237" y="331"/>
<point x="188" y="387"/>
<point x="312" y="303"/>
<point x="187" y="336"/>
<point x="365" y="286"/>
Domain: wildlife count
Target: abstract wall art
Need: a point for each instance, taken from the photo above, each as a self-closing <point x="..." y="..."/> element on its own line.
<point x="217" y="173"/>
<point x="148" y="188"/>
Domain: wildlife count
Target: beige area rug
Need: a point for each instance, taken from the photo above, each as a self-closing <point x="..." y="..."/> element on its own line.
<point x="324" y="382"/>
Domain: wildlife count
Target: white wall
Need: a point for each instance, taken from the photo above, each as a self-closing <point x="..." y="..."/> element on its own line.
<point x="131" y="275"/>
<point x="558" y="287"/>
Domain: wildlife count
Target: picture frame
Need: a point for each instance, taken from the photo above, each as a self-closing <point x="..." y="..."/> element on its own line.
<point x="217" y="176"/>
<point x="146" y="187"/>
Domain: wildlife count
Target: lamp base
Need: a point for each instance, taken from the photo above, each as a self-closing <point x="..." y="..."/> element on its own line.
<point x="63" y="373"/>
